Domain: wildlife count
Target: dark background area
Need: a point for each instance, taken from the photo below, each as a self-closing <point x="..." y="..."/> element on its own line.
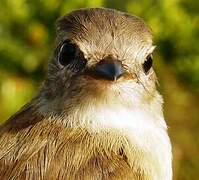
<point x="27" y="38"/>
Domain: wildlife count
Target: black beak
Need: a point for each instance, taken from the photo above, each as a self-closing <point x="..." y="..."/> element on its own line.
<point x="108" y="69"/>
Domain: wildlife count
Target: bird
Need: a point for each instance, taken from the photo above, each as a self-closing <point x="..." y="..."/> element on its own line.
<point x="98" y="114"/>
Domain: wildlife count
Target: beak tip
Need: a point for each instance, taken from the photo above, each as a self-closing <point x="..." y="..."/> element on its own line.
<point x="109" y="69"/>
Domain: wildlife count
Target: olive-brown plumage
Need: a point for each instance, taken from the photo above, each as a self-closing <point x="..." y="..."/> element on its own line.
<point x="97" y="115"/>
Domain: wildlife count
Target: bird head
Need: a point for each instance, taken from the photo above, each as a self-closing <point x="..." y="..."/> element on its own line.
<point x="102" y="57"/>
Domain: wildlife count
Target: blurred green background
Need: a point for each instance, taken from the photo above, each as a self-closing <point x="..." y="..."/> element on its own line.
<point x="27" y="37"/>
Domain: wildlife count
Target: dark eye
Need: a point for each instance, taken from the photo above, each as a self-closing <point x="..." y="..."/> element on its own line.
<point x="148" y="64"/>
<point x="66" y="53"/>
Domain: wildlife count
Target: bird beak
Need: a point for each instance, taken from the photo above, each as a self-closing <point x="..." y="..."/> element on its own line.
<point x="108" y="69"/>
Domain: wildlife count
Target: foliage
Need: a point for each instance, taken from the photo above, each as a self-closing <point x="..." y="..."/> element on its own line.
<point x="27" y="38"/>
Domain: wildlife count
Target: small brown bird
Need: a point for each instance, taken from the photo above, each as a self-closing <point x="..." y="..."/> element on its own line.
<point x="98" y="115"/>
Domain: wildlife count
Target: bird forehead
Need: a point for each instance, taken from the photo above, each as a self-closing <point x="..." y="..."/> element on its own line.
<point x="103" y="31"/>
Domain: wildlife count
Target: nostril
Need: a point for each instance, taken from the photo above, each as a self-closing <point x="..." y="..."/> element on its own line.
<point x="108" y="69"/>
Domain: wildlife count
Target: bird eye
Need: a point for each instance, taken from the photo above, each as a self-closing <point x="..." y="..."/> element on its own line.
<point x="147" y="64"/>
<point x="66" y="53"/>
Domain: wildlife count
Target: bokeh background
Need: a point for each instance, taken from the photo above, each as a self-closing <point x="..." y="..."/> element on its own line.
<point x="27" y="38"/>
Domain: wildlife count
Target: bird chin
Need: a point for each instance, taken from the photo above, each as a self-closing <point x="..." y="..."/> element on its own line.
<point x="124" y="92"/>
<point x="96" y="93"/>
